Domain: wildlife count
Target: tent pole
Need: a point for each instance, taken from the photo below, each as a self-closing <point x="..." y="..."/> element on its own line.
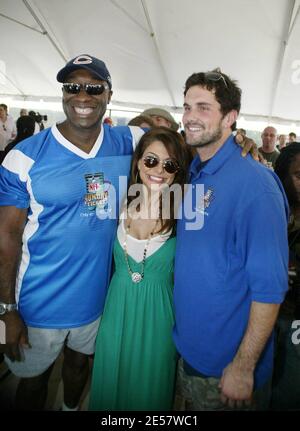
<point x="152" y="35"/>
<point x="45" y="33"/>
<point x="20" y="23"/>
<point x="128" y="15"/>
<point x="288" y="32"/>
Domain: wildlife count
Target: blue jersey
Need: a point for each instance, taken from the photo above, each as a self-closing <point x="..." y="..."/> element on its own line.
<point x="72" y="199"/>
<point x="237" y="256"/>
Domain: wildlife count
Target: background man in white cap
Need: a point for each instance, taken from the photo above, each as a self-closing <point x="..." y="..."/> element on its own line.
<point x="161" y="117"/>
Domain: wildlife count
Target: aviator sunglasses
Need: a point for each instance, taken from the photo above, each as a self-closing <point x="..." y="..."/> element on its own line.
<point x="215" y="76"/>
<point x="90" y="89"/>
<point x="171" y="166"/>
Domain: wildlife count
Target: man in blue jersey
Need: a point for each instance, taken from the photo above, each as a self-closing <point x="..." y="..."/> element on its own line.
<point x="226" y="308"/>
<point x="56" y="235"/>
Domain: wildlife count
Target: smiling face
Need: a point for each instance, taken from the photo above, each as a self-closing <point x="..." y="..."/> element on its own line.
<point x="157" y="175"/>
<point x="82" y="110"/>
<point x="202" y="119"/>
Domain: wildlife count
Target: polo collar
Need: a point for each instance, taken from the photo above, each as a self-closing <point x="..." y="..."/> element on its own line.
<point x="216" y="162"/>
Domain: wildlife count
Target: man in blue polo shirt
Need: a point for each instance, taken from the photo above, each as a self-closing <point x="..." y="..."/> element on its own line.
<point x="226" y="307"/>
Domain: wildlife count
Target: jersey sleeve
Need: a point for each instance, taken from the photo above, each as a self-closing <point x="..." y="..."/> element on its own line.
<point x="136" y="133"/>
<point x="121" y="140"/>
<point x="14" y="178"/>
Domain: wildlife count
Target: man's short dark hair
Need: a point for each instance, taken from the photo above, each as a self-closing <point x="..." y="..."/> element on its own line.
<point x="226" y="91"/>
<point x="293" y="135"/>
<point x="233" y="126"/>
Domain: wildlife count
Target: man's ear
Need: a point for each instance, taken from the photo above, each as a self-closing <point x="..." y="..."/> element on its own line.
<point x="230" y="118"/>
<point x="109" y="96"/>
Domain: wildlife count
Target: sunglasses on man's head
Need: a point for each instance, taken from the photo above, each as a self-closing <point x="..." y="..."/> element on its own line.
<point x="90" y="89"/>
<point x="171" y="166"/>
<point x="215" y="76"/>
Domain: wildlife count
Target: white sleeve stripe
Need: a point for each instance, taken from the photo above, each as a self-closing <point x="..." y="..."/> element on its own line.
<point x="18" y="163"/>
<point x="136" y="133"/>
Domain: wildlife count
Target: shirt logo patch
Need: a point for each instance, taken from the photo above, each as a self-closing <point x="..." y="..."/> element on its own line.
<point x="96" y="197"/>
<point x="207" y="200"/>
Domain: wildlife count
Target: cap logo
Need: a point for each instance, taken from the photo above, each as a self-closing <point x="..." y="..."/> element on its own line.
<point x="83" y="59"/>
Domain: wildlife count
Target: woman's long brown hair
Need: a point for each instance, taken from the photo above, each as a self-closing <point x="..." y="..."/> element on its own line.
<point x="176" y="149"/>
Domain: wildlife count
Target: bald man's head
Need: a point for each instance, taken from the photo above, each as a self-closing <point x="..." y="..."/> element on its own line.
<point x="269" y="136"/>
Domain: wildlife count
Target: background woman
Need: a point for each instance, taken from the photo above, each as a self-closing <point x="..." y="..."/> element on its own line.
<point x="286" y="378"/>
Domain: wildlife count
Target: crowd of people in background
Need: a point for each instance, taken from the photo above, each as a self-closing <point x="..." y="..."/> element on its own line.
<point x="12" y="132"/>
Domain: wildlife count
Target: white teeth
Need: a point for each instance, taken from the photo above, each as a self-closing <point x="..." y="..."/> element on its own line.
<point x="156" y="179"/>
<point x="83" y="111"/>
<point x="195" y="129"/>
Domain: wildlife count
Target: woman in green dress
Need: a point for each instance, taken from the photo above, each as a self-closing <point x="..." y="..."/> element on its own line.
<point x="135" y="358"/>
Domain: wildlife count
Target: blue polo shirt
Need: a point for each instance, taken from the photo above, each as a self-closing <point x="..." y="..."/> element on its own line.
<point x="239" y="255"/>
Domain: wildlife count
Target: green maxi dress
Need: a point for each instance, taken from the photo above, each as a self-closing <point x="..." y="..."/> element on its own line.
<point x="135" y="358"/>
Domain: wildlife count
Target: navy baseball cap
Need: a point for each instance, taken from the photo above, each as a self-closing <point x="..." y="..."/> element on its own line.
<point x="84" y="61"/>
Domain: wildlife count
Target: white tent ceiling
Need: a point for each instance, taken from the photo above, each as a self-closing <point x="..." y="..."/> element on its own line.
<point x="152" y="46"/>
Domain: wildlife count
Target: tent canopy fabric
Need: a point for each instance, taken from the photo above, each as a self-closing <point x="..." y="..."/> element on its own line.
<point x="151" y="46"/>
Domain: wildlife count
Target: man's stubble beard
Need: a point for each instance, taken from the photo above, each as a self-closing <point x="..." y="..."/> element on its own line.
<point x="207" y="138"/>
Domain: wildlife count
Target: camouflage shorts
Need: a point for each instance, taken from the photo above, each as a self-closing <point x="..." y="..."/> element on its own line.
<point x="195" y="393"/>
